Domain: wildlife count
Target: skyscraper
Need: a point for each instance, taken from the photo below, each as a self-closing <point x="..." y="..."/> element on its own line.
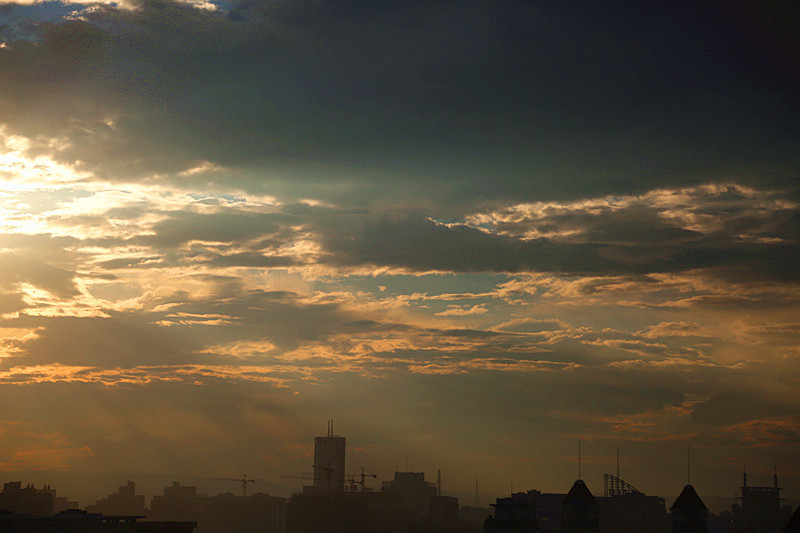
<point x="329" y="463"/>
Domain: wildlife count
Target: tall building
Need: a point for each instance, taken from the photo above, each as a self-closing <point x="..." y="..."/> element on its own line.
<point x="760" y="510"/>
<point x="329" y="463"/>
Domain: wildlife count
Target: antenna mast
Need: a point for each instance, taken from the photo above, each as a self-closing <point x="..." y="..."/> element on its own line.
<point x="579" y="459"/>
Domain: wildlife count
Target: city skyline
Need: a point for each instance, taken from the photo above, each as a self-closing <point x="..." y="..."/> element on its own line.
<point x="472" y="233"/>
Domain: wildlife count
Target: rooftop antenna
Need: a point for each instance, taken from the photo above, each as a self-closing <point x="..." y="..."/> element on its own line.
<point x="688" y="465"/>
<point x="579" y="458"/>
<point x="617" y="464"/>
<point x="744" y="474"/>
<point x="477" y="499"/>
<point x="438" y="482"/>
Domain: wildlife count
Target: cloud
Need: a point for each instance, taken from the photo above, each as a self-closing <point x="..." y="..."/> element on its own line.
<point x="563" y="224"/>
<point x="457" y="310"/>
<point x="29" y="448"/>
<point x="731" y="408"/>
<point x="432" y="96"/>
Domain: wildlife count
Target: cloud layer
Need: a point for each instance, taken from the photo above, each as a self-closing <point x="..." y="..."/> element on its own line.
<point x="463" y="230"/>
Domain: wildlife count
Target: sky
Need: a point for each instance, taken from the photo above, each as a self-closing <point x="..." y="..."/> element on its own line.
<point x="471" y="233"/>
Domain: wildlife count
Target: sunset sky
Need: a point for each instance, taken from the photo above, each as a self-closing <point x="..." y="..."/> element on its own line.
<point x="470" y="232"/>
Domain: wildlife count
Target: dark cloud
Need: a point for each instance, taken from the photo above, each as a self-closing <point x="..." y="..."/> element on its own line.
<point x="10" y="302"/>
<point x="16" y="269"/>
<point x="119" y="342"/>
<point x="225" y="227"/>
<point x="421" y="244"/>
<point x="460" y="99"/>
<point x="733" y="407"/>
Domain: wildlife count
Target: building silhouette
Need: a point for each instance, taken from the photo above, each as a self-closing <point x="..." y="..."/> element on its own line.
<point x="27" y="500"/>
<point x="77" y="521"/>
<point x="443" y="514"/>
<point x="689" y="514"/>
<point x="580" y="512"/>
<point x="625" y="509"/>
<point x="124" y="502"/>
<point x="760" y="510"/>
<point x="375" y="512"/>
<point x="223" y="513"/>
<point x="414" y="492"/>
<point x="515" y="514"/>
<point x="329" y="463"/>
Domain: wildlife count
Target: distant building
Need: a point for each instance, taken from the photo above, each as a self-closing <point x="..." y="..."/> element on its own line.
<point x="124" y="502"/>
<point x="516" y="514"/>
<point x="689" y="514"/>
<point x="415" y="493"/>
<point x="329" y="463"/>
<point x="443" y="513"/>
<point x="26" y="501"/>
<point x="223" y="513"/>
<point x="760" y="510"/>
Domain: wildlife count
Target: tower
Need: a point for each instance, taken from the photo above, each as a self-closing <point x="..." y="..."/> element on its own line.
<point x="689" y="514"/>
<point x="329" y="463"/>
<point x="580" y="512"/>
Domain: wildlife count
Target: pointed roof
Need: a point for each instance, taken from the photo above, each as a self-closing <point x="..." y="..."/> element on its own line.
<point x="688" y="498"/>
<point x="580" y="490"/>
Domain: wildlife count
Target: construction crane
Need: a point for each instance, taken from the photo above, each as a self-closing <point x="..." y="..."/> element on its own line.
<point x="307" y="477"/>
<point x="328" y="475"/>
<point x="361" y="483"/>
<point x="244" y="481"/>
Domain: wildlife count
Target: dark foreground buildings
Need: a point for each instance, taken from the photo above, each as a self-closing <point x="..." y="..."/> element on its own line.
<point x="224" y="513"/>
<point x="407" y="504"/>
<point x="77" y="521"/>
<point x="623" y="509"/>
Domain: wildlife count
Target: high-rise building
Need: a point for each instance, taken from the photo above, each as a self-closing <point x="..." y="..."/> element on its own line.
<point x="760" y="510"/>
<point x="329" y="454"/>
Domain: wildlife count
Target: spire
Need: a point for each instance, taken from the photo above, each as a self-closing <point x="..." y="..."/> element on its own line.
<point x="688" y="499"/>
